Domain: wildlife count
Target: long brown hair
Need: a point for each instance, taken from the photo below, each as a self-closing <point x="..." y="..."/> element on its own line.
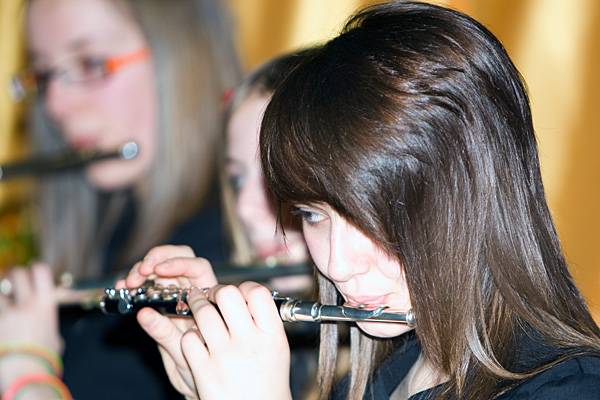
<point x="415" y="125"/>
<point x="194" y="61"/>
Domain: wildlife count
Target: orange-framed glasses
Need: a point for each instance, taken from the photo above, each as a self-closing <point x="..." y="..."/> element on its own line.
<point x="74" y="70"/>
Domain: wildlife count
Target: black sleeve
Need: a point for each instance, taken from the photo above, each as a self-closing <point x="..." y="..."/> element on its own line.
<point x="573" y="387"/>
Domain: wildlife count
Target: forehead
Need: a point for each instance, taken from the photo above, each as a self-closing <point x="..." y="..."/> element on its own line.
<point x="244" y="126"/>
<point x="61" y="26"/>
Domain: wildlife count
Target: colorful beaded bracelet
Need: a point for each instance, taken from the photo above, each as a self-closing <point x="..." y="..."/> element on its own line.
<point x="49" y="357"/>
<point x="37" y="379"/>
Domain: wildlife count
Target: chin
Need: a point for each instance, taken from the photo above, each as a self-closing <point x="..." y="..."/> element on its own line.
<point x="113" y="175"/>
<point x="383" y="329"/>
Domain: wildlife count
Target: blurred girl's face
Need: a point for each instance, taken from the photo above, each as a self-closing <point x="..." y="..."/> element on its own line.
<point x="253" y="204"/>
<point x="71" y="40"/>
<point x="359" y="268"/>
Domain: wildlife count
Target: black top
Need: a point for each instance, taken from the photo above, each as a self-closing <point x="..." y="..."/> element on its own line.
<point x="577" y="378"/>
<point x="111" y="357"/>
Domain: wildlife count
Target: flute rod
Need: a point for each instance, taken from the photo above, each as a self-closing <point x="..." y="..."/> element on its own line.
<point x="48" y="164"/>
<point x="226" y="274"/>
<point x="86" y="293"/>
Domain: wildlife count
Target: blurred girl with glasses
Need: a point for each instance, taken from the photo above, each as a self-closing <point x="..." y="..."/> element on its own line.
<point x="104" y="72"/>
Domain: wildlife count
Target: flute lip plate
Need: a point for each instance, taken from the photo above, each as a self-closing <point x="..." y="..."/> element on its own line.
<point x="367" y="307"/>
<point x="362" y="313"/>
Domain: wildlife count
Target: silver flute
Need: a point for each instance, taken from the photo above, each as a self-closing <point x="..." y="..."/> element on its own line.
<point x="53" y="163"/>
<point x="172" y="300"/>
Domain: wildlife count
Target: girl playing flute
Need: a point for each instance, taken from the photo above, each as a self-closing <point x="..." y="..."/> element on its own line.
<point x="407" y="148"/>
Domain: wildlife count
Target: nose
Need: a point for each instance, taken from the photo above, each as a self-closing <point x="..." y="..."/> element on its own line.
<point x="344" y="254"/>
<point x="61" y="99"/>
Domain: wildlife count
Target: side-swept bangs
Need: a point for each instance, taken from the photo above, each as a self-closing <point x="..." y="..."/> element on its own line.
<point x="315" y="146"/>
<point x="354" y="132"/>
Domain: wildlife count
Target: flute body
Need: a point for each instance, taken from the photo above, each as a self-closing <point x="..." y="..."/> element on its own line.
<point x="42" y="165"/>
<point x="172" y="300"/>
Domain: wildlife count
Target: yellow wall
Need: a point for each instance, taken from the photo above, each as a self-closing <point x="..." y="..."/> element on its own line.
<point x="9" y="51"/>
<point x="268" y="27"/>
<point x="556" y="46"/>
<point x="11" y="135"/>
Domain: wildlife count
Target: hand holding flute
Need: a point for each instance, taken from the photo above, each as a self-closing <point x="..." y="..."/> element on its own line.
<point x="239" y="351"/>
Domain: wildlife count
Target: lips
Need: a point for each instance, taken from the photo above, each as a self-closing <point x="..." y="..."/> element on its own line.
<point x="82" y="142"/>
<point x="365" y="301"/>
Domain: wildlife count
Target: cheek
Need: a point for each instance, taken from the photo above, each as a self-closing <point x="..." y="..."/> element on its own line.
<point x="135" y="112"/>
<point x="253" y="207"/>
<point x="129" y="109"/>
<point x="391" y="269"/>
<point x="296" y="246"/>
<point x="318" y="249"/>
<point x="388" y="265"/>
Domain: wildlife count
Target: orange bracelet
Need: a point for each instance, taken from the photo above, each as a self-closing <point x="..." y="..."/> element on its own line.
<point x="43" y="379"/>
<point x="52" y="359"/>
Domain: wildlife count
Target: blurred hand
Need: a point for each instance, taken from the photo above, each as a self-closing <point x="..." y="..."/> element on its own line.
<point x="28" y="316"/>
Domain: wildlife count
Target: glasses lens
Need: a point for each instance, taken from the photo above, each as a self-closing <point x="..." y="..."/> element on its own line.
<point x="86" y="69"/>
<point x="79" y="70"/>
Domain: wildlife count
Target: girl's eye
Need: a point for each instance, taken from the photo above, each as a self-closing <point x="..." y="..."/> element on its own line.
<point x="236" y="182"/>
<point x="307" y="215"/>
<point x="89" y="68"/>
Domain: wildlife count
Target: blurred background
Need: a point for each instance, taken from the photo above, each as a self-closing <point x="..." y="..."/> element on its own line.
<point x="554" y="43"/>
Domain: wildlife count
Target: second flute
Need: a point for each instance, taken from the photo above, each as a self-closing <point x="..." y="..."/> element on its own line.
<point x="53" y="163"/>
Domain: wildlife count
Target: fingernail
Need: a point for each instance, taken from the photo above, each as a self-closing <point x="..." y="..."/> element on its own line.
<point x="147" y="259"/>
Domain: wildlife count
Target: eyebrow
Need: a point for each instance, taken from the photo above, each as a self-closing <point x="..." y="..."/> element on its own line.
<point x="79" y="44"/>
<point x="72" y="47"/>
